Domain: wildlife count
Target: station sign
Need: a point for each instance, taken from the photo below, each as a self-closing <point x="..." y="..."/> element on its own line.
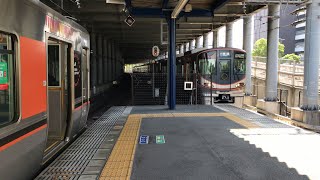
<point x="3" y="73"/>
<point x="155" y="51"/>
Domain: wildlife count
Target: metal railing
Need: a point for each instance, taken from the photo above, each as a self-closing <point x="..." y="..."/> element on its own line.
<point x="151" y="89"/>
<point x="289" y="72"/>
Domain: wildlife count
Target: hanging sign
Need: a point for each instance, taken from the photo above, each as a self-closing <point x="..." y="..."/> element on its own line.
<point x="155" y="51"/>
<point x="3" y="73"/>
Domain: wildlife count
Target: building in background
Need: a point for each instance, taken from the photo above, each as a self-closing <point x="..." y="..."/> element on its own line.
<point x="300" y="26"/>
<point x="287" y="27"/>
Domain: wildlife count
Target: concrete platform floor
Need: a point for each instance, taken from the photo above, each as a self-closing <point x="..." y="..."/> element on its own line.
<point x="203" y="148"/>
<point x="207" y="142"/>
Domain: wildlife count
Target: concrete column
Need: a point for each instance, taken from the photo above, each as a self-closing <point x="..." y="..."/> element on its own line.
<point x="215" y="38"/>
<point x="105" y="61"/>
<point x="229" y="35"/>
<point x="192" y="44"/>
<point x="272" y="57"/>
<point x="93" y="61"/>
<point x="187" y="47"/>
<point x="199" y="42"/>
<point x="100" y="61"/>
<point x="112" y="60"/>
<point x="181" y="49"/>
<point x="206" y="40"/>
<point x="311" y="57"/>
<point x="248" y="24"/>
<point x="109" y="61"/>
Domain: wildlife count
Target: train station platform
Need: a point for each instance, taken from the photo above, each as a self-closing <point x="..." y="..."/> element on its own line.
<point x="191" y="142"/>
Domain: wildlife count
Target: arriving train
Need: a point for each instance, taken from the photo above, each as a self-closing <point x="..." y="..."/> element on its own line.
<point x="219" y="70"/>
<point x="44" y="85"/>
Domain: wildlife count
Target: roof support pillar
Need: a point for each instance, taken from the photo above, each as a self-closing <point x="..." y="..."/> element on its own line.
<point x="109" y="61"/>
<point x="272" y="56"/>
<point x="105" y="61"/>
<point x="181" y="49"/>
<point x="229" y="35"/>
<point x="187" y="47"/>
<point x="199" y="42"/>
<point x="312" y="57"/>
<point x="215" y="39"/>
<point x="206" y="40"/>
<point x="172" y="63"/>
<point x="248" y="24"/>
<point x="192" y="44"/>
<point x="100" y="59"/>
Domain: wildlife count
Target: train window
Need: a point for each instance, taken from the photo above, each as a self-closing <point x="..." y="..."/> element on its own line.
<point x="239" y="63"/>
<point x="207" y="63"/>
<point x="8" y="103"/>
<point x="224" y="66"/>
<point x="53" y="65"/>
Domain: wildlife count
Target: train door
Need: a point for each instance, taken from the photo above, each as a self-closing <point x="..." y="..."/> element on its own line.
<point x="85" y="87"/>
<point x="224" y="71"/>
<point x="58" y="72"/>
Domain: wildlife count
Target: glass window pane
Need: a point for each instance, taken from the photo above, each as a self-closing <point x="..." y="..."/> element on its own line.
<point x="53" y="65"/>
<point x="239" y="63"/>
<point x="5" y="42"/>
<point x="224" y="66"/>
<point x="7" y="98"/>
<point x="207" y="63"/>
<point x="7" y="81"/>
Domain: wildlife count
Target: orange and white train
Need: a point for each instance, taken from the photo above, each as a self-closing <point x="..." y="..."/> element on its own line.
<point x="44" y="85"/>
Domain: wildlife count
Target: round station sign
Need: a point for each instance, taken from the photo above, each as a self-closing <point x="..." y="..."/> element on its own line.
<point x="155" y="51"/>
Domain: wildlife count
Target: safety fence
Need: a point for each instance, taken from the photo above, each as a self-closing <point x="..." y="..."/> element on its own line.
<point x="151" y="89"/>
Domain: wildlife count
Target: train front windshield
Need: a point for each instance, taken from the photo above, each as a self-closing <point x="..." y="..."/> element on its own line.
<point x="207" y="63"/>
<point x="239" y="63"/>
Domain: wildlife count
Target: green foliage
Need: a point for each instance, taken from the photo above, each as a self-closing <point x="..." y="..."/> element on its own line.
<point x="292" y="57"/>
<point x="260" y="48"/>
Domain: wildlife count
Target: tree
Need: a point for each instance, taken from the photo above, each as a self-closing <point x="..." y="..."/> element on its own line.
<point x="260" y="48"/>
<point x="292" y="57"/>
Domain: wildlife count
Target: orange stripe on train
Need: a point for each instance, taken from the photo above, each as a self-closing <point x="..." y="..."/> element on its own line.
<point x="33" y="74"/>
<point x="11" y="143"/>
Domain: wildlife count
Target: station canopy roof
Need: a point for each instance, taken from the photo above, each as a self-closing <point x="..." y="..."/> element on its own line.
<point x="107" y="17"/>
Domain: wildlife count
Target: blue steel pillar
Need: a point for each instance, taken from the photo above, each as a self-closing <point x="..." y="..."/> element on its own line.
<point x="172" y="63"/>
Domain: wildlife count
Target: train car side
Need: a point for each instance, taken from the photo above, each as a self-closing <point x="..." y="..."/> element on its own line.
<point x="34" y="42"/>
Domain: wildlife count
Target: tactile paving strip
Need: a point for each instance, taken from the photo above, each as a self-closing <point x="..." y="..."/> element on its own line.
<point x="260" y="120"/>
<point x="81" y="160"/>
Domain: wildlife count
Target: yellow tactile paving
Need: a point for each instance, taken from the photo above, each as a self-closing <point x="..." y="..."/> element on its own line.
<point x="120" y="162"/>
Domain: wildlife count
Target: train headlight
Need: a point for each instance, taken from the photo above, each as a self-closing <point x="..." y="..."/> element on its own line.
<point x="239" y="85"/>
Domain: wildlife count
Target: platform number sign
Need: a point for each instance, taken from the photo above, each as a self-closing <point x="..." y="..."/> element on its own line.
<point x="155" y="51"/>
<point x="3" y="73"/>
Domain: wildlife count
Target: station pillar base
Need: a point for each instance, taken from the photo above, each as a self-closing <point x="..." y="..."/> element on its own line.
<point x="296" y="114"/>
<point x="238" y="101"/>
<point x="307" y="117"/>
<point x="250" y="100"/>
<point x="272" y="107"/>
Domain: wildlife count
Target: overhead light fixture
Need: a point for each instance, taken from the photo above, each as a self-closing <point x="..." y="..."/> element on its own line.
<point x="115" y="2"/>
<point x="129" y="20"/>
